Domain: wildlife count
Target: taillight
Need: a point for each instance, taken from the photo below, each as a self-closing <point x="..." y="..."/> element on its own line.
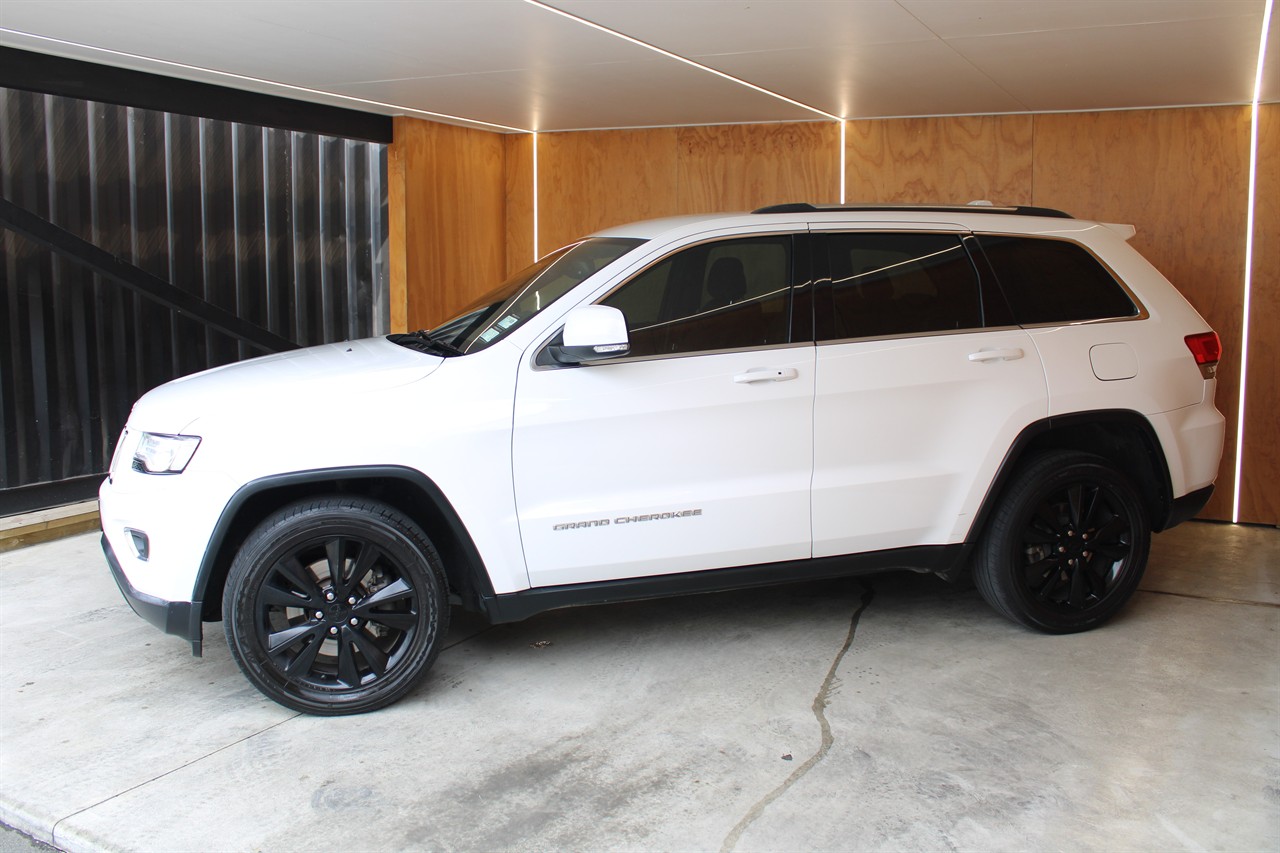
<point x="1207" y="350"/>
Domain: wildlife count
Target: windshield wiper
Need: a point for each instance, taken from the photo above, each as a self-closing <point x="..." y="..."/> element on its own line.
<point x="423" y="341"/>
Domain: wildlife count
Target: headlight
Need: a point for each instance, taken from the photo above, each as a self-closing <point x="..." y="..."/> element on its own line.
<point x="164" y="454"/>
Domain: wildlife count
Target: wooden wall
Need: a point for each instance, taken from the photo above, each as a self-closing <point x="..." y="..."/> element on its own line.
<point x="447" y="218"/>
<point x="1260" y="485"/>
<point x="1179" y="175"/>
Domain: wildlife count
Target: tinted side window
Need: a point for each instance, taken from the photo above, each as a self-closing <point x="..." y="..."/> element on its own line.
<point x="898" y="284"/>
<point x="722" y="295"/>
<point x="1054" y="281"/>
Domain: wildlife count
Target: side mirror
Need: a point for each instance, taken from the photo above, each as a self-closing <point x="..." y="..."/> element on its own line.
<point x="592" y="333"/>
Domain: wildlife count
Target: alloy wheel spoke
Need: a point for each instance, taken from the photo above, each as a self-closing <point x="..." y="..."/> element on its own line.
<point x="1050" y="585"/>
<point x="1092" y="504"/>
<point x="335" y="552"/>
<point x="280" y="640"/>
<point x="1075" y="504"/>
<point x="394" y="621"/>
<point x="1037" y="573"/>
<point x="274" y="596"/>
<point x="1097" y="583"/>
<point x="348" y="673"/>
<point x="1078" y="594"/>
<point x="295" y="574"/>
<point x="364" y="563"/>
<point x="1110" y="533"/>
<point x="1046" y="516"/>
<point x="375" y="657"/>
<point x="397" y="590"/>
<point x="1112" y="552"/>
<point x="301" y="664"/>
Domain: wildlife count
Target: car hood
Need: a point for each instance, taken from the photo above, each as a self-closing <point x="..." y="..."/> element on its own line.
<point x="316" y="377"/>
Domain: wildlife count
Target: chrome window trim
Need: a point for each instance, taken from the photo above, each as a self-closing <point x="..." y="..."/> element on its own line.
<point x="640" y="359"/>
<point x="978" y="330"/>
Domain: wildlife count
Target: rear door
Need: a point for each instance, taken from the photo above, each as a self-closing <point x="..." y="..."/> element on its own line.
<point x="923" y="383"/>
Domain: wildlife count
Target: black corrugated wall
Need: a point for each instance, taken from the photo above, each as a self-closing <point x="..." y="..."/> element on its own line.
<point x="286" y="230"/>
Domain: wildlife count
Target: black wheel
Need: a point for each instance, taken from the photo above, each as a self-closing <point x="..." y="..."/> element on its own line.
<point x="335" y="606"/>
<point x="1067" y="545"/>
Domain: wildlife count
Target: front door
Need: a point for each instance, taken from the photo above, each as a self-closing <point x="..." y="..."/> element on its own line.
<point x="695" y="451"/>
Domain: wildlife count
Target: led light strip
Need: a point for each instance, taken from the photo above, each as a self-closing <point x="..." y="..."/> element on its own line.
<point x="1248" y="259"/>
<point x="678" y="58"/>
<point x="398" y="108"/>
<point x="534" y="143"/>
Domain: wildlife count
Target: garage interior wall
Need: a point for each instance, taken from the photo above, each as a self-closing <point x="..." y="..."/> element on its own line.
<point x="462" y="210"/>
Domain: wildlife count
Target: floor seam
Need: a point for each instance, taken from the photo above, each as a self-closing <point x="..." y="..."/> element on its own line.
<point x="53" y="831"/>
<point x="1214" y="598"/>
<point x="819" y="711"/>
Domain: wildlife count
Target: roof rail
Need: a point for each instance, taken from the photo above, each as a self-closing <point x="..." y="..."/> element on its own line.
<point x="1021" y="210"/>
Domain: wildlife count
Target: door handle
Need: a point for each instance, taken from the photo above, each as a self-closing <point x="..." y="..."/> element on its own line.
<point x="766" y="374"/>
<point x="1008" y="354"/>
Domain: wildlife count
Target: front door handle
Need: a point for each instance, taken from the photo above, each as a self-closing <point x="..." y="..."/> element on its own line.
<point x="1008" y="354"/>
<point x="766" y="374"/>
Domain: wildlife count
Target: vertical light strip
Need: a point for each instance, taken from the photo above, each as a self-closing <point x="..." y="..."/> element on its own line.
<point x="842" y="157"/>
<point x="1248" y="260"/>
<point x="534" y="142"/>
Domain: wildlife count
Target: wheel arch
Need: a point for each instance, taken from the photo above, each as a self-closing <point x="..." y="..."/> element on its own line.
<point x="1123" y="437"/>
<point x="408" y="490"/>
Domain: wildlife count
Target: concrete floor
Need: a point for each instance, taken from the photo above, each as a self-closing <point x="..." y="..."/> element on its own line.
<point x="892" y="713"/>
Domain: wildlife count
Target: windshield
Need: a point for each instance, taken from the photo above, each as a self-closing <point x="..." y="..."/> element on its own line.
<point x="497" y="314"/>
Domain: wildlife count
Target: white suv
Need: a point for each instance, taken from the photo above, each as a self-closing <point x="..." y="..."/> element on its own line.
<point x="680" y="406"/>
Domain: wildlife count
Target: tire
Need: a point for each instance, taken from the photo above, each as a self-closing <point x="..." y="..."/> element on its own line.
<point x="330" y="642"/>
<point x="1066" y="546"/>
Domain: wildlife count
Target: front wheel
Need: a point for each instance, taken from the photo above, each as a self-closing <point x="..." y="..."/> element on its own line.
<point x="1067" y="545"/>
<point x="335" y="606"/>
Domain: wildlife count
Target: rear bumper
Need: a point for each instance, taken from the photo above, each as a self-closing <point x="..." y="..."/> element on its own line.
<point x="1187" y="507"/>
<point x="181" y="618"/>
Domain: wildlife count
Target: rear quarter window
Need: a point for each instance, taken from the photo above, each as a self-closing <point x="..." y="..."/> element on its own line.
<point x="1054" y="281"/>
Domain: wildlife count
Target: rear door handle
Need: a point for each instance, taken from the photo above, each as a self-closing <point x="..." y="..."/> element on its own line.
<point x="766" y="374"/>
<point x="1008" y="354"/>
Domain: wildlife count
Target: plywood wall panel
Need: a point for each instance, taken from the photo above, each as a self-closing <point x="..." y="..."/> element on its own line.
<point x="1180" y="176"/>
<point x="454" y="214"/>
<point x="596" y="179"/>
<point x="1260" y="483"/>
<point x="950" y="160"/>
<point x="397" y="239"/>
<point x="519" y="177"/>
<point x="743" y="167"/>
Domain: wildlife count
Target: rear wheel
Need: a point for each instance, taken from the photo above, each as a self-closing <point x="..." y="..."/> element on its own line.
<point x="335" y="606"/>
<point x="1066" y="547"/>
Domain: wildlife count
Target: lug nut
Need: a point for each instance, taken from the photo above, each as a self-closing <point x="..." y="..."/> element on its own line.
<point x="1062" y="549"/>
<point x="351" y="600"/>
<point x="333" y="630"/>
<point x="319" y="614"/>
<point x="329" y="596"/>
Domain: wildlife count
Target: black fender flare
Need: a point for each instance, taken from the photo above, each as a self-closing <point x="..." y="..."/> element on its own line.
<point x="480" y="588"/>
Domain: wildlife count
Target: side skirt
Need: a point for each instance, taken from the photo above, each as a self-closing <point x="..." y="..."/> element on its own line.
<point x="944" y="560"/>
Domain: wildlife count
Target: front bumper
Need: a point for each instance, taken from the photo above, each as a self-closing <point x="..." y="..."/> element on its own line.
<point x="181" y="618"/>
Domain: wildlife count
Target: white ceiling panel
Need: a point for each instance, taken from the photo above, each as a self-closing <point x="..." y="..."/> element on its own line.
<point x="1168" y="64"/>
<point x="520" y="65"/>
<point x="949" y="19"/>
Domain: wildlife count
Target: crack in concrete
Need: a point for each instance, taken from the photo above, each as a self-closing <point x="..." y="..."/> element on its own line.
<point x="53" y="831"/>
<point x="819" y="712"/>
